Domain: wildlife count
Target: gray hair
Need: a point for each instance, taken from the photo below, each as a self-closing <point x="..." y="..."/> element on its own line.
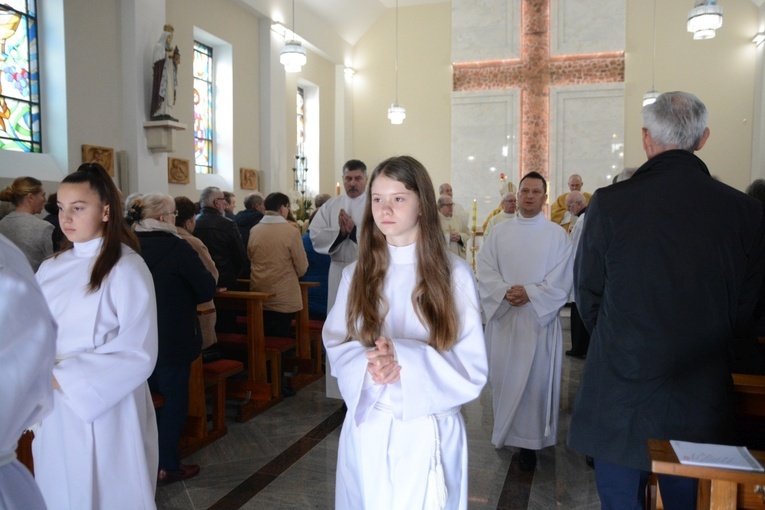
<point x="442" y="200"/>
<point x="206" y="198"/>
<point x="676" y="119"/>
<point x="252" y="200"/>
<point x="321" y="199"/>
<point x="757" y="190"/>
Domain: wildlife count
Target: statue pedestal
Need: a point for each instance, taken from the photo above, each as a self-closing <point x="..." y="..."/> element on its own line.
<point x="160" y="134"/>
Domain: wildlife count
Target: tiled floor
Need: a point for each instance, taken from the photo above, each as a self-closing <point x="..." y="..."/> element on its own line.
<point x="285" y="458"/>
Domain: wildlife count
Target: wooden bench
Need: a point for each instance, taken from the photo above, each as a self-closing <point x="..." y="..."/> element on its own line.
<point x="254" y="391"/>
<point x="216" y="374"/>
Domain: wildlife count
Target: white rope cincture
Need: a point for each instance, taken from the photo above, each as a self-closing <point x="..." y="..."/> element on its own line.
<point x="436" y="495"/>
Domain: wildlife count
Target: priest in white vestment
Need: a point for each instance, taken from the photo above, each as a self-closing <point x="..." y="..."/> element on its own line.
<point x="455" y="230"/>
<point x="445" y="189"/>
<point x="509" y="204"/>
<point x="27" y="352"/>
<point x="525" y="276"/>
<point x="334" y="232"/>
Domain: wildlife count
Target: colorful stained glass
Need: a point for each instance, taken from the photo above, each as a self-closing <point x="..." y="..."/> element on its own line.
<point x="19" y="77"/>
<point x="203" y="108"/>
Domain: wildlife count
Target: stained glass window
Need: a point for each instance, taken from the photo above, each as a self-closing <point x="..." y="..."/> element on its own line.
<point x="203" y="108"/>
<point x="19" y="77"/>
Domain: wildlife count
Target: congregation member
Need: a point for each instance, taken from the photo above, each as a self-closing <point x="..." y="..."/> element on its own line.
<point x="51" y="207"/>
<point x="230" y="206"/>
<point x="33" y="236"/>
<point x="558" y="208"/>
<point x="454" y="229"/>
<point x="185" y="223"/>
<point x="509" y="205"/>
<point x="98" y="447"/>
<point x="406" y="342"/>
<point x="221" y="236"/>
<point x="662" y="294"/>
<point x="335" y="231"/>
<point x="318" y="269"/>
<point x="250" y="216"/>
<point x="181" y="282"/>
<point x="580" y="337"/>
<point x="277" y="260"/>
<point x="27" y="353"/>
<point x="525" y="275"/>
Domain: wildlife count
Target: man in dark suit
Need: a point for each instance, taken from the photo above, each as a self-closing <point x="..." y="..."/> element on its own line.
<point x="254" y="209"/>
<point x="663" y="295"/>
<point x="221" y="236"/>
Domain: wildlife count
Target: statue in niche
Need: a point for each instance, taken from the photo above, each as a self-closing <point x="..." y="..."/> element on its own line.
<point x="165" y="77"/>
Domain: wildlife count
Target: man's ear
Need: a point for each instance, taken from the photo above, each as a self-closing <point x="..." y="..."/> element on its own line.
<point x="703" y="140"/>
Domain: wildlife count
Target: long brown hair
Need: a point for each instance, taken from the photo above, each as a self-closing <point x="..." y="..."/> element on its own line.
<point x="116" y="230"/>
<point x="433" y="297"/>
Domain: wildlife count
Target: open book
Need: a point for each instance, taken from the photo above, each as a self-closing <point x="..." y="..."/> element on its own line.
<point x="715" y="455"/>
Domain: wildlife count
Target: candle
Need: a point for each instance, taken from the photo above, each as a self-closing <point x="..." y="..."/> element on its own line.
<point x="337" y="189"/>
<point x="475" y="213"/>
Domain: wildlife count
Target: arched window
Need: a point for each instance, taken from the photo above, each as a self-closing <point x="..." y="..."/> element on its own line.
<point x="19" y="77"/>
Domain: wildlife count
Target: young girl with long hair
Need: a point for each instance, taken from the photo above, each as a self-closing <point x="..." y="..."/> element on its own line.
<point x="98" y="448"/>
<point x="405" y="341"/>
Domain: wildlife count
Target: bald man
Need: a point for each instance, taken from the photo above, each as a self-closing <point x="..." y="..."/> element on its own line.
<point x="446" y="190"/>
<point x="558" y="209"/>
<point x="575" y="203"/>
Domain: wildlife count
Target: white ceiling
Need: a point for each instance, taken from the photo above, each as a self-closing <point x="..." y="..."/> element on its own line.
<point x="352" y="18"/>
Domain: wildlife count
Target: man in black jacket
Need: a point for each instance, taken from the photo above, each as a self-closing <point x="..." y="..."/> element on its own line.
<point x="663" y="294"/>
<point x="221" y="236"/>
<point x="254" y="209"/>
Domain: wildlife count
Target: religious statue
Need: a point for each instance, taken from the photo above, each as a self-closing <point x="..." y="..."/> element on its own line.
<point x="165" y="78"/>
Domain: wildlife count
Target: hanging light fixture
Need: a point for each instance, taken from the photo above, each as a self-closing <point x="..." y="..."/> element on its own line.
<point x="396" y="112"/>
<point x="705" y="17"/>
<point x="293" y="56"/>
<point x="650" y="96"/>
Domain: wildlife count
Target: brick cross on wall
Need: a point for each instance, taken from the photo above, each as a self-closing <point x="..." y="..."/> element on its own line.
<point x="534" y="73"/>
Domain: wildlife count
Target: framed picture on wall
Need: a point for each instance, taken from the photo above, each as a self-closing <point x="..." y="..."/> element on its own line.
<point x="248" y="178"/>
<point x="104" y="156"/>
<point x="177" y="171"/>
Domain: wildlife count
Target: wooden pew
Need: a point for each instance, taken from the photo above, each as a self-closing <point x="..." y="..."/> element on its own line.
<point x="309" y="365"/>
<point x="255" y="390"/>
<point x="719" y="489"/>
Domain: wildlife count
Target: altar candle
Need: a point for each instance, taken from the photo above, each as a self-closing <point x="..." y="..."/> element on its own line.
<point x="337" y="189"/>
<point x="475" y="213"/>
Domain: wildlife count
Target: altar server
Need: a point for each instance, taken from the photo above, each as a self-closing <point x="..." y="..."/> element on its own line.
<point x="98" y="448"/>
<point x="406" y="343"/>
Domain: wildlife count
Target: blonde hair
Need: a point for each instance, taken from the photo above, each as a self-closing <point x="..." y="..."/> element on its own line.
<point x="20" y="188"/>
<point x="150" y="205"/>
<point x="433" y="297"/>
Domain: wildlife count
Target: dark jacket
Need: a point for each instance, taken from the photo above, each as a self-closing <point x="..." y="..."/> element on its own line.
<point x="181" y="282"/>
<point x="245" y="220"/>
<point x="221" y="236"/>
<point x="663" y="291"/>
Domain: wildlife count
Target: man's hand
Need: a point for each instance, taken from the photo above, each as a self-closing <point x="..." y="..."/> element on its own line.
<point x="346" y="223"/>
<point x="516" y="295"/>
<point x="455" y="237"/>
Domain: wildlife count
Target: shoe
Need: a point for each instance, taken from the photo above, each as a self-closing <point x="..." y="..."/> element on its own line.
<point x="589" y="461"/>
<point x="575" y="354"/>
<point x="527" y="459"/>
<point x="187" y="471"/>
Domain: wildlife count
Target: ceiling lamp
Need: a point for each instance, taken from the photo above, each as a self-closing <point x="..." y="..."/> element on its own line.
<point x="396" y="112"/>
<point x="293" y="56"/>
<point x="650" y="96"/>
<point x="705" y="17"/>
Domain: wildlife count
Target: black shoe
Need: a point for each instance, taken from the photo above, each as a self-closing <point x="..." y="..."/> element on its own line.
<point x="589" y="461"/>
<point x="527" y="459"/>
<point x="287" y="390"/>
<point x="576" y="354"/>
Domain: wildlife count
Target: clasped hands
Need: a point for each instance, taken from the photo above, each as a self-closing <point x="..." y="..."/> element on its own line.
<point x="381" y="364"/>
<point x="346" y="222"/>
<point x="516" y="295"/>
